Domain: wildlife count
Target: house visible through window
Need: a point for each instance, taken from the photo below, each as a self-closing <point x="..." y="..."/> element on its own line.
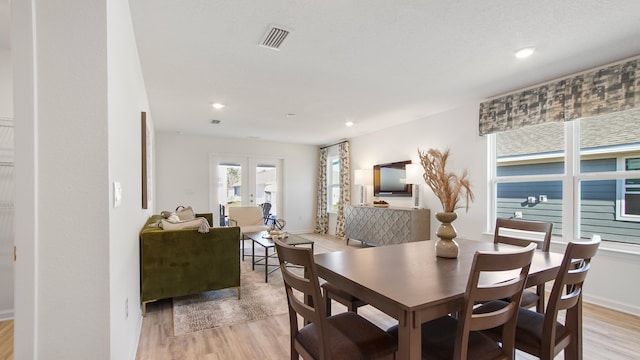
<point x="582" y="175"/>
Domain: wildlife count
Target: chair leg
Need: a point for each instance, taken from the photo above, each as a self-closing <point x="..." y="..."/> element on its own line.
<point x="352" y="308"/>
<point x="328" y="304"/>
<point x="540" y="304"/>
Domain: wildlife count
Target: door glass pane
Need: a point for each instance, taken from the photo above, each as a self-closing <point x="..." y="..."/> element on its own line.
<point x="598" y="213"/>
<point x="532" y="150"/>
<point x="532" y="200"/>
<point x="230" y="184"/>
<point x="267" y="187"/>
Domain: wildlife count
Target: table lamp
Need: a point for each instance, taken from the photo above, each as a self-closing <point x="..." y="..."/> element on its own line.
<point x="414" y="177"/>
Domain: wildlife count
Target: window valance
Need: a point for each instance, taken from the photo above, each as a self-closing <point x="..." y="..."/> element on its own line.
<point x="608" y="89"/>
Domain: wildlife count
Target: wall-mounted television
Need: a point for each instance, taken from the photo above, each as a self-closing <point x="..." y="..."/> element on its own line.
<point x="390" y="179"/>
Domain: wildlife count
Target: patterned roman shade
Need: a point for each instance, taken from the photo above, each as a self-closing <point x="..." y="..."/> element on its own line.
<point x="604" y="90"/>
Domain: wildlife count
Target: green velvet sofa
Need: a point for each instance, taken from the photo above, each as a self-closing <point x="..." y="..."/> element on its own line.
<point x="184" y="262"/>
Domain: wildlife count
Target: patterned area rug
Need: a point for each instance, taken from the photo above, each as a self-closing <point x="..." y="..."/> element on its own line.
<point x="217" y="308"/>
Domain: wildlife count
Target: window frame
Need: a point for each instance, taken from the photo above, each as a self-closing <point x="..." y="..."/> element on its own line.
<point x="331" y="186"/>
<point x="621" y="192"/>
<point x="571" y="181"/>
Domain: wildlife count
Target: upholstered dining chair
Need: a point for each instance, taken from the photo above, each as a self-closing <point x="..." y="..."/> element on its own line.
<point x="522" y="233"/>
<point x="542" y="335"/>
<point x="450" y="338"/>
<point x="332" y="292"/>
<point x="343" y="336"/>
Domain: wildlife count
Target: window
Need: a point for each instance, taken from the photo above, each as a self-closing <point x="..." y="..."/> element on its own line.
<point x="333" y="187"/>
<point x="582" y="175"/>
<point x="629" y="191"/>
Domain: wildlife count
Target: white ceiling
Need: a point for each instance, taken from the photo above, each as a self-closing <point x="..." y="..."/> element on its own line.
<point x="374" y="62"/>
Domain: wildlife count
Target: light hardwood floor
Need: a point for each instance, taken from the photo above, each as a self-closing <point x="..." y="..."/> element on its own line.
<point x="608" y="334"/>
<point x="6" y="340"/>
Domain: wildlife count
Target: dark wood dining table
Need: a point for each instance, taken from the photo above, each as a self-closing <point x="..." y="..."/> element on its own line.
<point x="409" y="283"/>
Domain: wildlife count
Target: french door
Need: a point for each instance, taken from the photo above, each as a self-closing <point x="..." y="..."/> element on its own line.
<point x="242" y="180"/>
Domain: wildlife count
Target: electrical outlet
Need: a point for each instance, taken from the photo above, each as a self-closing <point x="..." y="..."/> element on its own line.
<point x="126" y="308"/>
<point x="531" y="199"/>
<point x="543" y="198"/>
<point x="517" y="214"/>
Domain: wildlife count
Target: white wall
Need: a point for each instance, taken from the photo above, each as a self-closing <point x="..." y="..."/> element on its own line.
<point x="6" y="84"/>
<point x="78" y="97"/>
<point x="127" y="99"/>
<point x="458" y="130"/>
<point x="6" y="243"/>
<point x="182" y="173"/>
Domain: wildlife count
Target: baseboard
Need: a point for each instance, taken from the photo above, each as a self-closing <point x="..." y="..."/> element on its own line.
<point x="6" y="315"/>
<point x="613" y="305"/>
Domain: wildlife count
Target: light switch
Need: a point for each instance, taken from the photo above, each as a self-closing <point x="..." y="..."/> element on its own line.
<point x="117" y="194"/>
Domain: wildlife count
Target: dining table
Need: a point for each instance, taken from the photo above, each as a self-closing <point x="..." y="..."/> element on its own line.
<point x="411" y="284"/>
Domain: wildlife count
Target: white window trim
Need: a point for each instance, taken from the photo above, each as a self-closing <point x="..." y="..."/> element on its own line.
<point x="330" y="185"/>
<point x="621" y="192"/>
<point x="570" y="190"/>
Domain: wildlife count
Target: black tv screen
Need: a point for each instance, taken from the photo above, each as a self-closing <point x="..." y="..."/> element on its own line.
<point x="390" y="179"/>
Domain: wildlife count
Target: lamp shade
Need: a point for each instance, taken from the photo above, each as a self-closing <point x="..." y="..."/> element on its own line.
<point x="414" y="173"/>
<point x="363" y="177"/>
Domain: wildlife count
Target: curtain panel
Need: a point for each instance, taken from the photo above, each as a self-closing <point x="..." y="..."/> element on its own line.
<point x="345" y="187"/>
<point x="608" y="89"/>
<point x="322" y="218"/>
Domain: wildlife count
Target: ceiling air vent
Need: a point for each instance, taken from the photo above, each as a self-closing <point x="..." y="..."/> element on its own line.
<point x="274" y="37"/>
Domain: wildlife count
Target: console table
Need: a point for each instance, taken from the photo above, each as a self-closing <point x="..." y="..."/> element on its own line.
<point x="385" y="226"/>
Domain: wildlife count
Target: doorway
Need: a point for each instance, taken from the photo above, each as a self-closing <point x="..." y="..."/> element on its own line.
<point x="245" y="181"/>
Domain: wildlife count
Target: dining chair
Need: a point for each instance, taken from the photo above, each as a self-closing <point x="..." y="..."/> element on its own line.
<point x="343" y="336"/>
<point x="332" y="292"/>
<point x="521" y="233"/>
<point x="542" y="335"/>
<point x="461" y="338"/>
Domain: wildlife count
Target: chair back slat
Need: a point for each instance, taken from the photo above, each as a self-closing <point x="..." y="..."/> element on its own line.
<point x="507" y="316"/>
<point x="487" y="293"/>
<point x="523" y="232"/>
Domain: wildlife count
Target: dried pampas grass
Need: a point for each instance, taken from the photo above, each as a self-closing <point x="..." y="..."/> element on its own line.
<point x="448" y="187"/>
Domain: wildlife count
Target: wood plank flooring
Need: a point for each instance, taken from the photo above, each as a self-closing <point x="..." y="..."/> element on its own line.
<point x="6" y="340"/>
<point x="608" y="334"/>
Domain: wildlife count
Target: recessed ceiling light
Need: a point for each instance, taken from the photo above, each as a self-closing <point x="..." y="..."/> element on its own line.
<point x="217" y="106"/>
<point x="349" y="124"/>
<point x="215" y="122"/>
<point x="525" y="53"/>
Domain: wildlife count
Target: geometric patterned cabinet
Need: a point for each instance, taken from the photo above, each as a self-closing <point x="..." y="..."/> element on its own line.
<point x="385" y="226"/>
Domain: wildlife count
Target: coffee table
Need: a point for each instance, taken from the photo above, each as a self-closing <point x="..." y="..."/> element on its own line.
<point x="267" y="243"/>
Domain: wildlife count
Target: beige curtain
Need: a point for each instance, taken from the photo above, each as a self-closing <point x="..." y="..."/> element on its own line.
<point x="608" y="89"/>
<point x="345" y="187"/>
<point x="322" y="218"/>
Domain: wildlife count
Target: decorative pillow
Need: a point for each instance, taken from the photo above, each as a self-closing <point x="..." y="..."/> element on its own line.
<point x="185" y="213"/>
<point x="173" y="217"/>
<point x="200" y="223"/>
<point x="165" y="214"/>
